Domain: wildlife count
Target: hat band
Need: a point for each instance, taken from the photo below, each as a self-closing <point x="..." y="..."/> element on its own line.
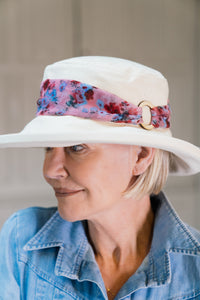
<point x="69" y="97"/>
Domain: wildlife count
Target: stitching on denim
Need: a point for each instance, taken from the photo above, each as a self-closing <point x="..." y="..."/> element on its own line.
<point x="43" y="275"/>
<point x="180" y="223"/>
<point x="184" y="251"/>
<point x="48" y="224"/>
<point x="77" y="259"/>
<point x="195" y="293"/>
<point x="17" y="244"/>
<point x="79" y="256"/>
<point x="167" y="263"/>
<point x="152" y="274"/>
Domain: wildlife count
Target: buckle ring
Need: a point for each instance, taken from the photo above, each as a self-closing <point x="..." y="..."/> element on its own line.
<point x="149" y="105"/>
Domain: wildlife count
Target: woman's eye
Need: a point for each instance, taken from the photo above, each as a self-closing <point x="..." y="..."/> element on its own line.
<point x="73" y="149"/>
<point x="76" y="148"/>
<point x="48" y="149"/>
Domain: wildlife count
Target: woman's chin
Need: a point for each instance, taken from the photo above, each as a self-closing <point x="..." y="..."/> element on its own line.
<point x="70" y="207"/>
<point x="69" y="216"/>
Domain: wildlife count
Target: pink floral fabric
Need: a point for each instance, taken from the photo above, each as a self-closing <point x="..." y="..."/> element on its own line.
<point x="160" y="116"/>
<point x="69" y="97"/>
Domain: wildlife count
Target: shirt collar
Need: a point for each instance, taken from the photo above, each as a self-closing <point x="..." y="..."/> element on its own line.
<point x="170" y="235"/>
<point x="76" y="260"/>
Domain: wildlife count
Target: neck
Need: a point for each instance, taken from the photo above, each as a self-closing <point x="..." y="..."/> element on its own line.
<point x="122" y="232"/>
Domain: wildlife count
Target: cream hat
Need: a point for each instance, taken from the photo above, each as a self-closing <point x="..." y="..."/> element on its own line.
<point x="83" y="99"/>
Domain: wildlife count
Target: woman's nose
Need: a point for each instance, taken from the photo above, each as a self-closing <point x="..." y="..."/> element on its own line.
<point x="55" y="166"/>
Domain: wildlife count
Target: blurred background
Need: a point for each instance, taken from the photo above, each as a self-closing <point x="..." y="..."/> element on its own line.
<point x="163" y="34"/>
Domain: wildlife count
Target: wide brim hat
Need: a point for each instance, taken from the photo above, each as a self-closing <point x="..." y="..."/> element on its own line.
<point x="97" y="99"/>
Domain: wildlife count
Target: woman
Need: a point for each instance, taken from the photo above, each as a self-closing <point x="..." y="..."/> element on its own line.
<point x="105" y="125"/>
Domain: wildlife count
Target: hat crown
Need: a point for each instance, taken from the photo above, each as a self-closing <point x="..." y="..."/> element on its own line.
<point x="128" y="80"/>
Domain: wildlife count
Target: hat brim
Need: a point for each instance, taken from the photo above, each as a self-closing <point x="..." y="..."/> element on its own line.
<point x="56" y="131"/>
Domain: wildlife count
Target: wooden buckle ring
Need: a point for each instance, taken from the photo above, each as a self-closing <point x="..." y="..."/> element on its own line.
<point x="149" y="105"/>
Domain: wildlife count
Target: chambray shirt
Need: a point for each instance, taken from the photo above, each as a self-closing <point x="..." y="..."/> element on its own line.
<point x="43" y="257"/>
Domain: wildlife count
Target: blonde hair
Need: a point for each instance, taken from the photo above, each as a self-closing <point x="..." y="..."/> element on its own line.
<point x="153" y="179"/>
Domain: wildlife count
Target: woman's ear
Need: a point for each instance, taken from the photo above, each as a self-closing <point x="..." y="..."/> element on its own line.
<point x="145" y="157"/>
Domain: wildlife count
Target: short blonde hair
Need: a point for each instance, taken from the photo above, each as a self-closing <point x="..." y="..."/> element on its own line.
<point x="153" y="179"/>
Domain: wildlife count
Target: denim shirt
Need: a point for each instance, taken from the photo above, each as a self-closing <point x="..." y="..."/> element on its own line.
<point x="44" y="257"/>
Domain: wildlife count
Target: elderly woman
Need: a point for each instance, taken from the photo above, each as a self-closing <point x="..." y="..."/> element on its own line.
<point x="105" y="125"/>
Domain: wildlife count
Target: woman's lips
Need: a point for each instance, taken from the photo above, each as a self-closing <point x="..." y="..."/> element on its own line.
<point x="65" y="192"/>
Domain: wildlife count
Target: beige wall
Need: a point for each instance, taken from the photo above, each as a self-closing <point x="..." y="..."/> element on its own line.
<point x="163" y="34"/>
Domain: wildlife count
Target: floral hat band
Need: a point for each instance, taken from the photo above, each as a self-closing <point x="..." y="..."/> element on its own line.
<point x="69" y="97"/>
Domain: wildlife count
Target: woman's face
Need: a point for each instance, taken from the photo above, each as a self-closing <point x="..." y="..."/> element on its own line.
<point x="89" y="178"/>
